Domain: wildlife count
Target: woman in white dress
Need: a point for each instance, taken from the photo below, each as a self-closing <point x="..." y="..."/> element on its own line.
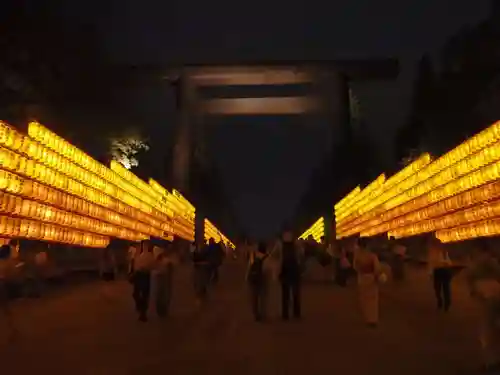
<point x="484" y="282"/>
<point x="368" y="269"/>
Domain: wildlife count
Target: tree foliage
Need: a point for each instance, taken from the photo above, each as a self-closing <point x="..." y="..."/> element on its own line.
<point x="56" y="71"/>
<point x="126" y="150"/>
<point x="461" y="99"/>
<point x="411" y="138"/>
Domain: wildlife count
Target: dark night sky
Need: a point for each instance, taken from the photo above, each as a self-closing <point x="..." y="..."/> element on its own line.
<point x="265" y="182"/>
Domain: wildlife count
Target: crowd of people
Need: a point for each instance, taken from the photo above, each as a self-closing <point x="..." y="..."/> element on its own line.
<point x="364" y="262"/>
<point x="151" y="271"/>
<point x="368" y="263"/>
<point x="288" y="259"/>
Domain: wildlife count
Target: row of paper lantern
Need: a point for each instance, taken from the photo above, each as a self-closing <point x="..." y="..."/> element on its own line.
<point x="37" y="230"/>
<point x="317" y="230"/>
<point x="184" y="212"/>
<point x="211" y="232"/>
<point x="42" y="171"/>
<point x="65" y="187"/>
<point x="161" y="204"/>
<point x="115" y="178"/>
<point x="457" y="196"/>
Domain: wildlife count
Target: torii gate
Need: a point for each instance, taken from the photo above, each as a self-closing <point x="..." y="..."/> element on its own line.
<point x="329" y="81"/>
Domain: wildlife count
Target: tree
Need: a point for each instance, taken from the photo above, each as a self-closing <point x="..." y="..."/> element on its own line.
<point x="411" y="137"/>
<point x="126" y="150"/>
<point x="55" y="70"/>
<point x="471" y="61"/>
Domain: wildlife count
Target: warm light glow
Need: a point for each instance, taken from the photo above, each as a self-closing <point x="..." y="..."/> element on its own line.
<point x="457" y="196"/>
<point x="64" y="195"/>
<point x="485" y="228"/>
<point x="211" y="232"/>
<point x="183" y="211"/>
<point x="418" y="209"/>
<point x="255" y="76"/>
<point x="389" y="189"/>
<point x="374" y="186"/>
<point x="261" y="106"/>
<point x="344" y="201"/>
<point x="317" y="230"/>
<point x="24" y="228"/>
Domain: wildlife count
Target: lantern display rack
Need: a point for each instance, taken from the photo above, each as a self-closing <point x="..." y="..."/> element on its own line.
<point x="317" y="230"/>
<point x="51" y="190"/>
<point x="456" y="196"/>
<point x="211" y="232"/>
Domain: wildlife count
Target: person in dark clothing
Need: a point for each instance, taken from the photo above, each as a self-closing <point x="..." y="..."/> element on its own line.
<point x="202" y="269"/>
<point x="290" y="275"/>
<point x="258" y="280"/>
<point x="439" y="265"/>
<point x="216" y="253"/>
<point x="144" y="263"/>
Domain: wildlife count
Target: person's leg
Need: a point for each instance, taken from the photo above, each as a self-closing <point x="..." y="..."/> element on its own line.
<point x="297" y="313"/>
<point x="336" y="270"/>
<point x="143" y="289"/>
<point x="264" y="295"/>
<point x="285" y="299"/>
<point x="197" y="286"/>
<point x="373" y="307"/>
<point x="206" y="275"/>
<point x="136" y="282"/>
<point x="342" y="280"/>
<point x="437" y="278"/>
<point x="216" y="274"/>
<point x="169" y="290"/>
<point x="160" y="295"/>
<point x="254" y="294"/>
<point x="6" y="313"/>
<point x="146" y="292"/>
<point x="140" y="295"/>
<point x="446" y="287"/>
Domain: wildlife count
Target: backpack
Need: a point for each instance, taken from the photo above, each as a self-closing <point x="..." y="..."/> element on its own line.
<point x="256" y="271"/>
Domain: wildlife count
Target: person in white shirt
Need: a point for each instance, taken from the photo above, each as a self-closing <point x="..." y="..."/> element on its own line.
<point x="439" y="265"/>
<point x="483" y="278"/>
<point x="144" y="263"/>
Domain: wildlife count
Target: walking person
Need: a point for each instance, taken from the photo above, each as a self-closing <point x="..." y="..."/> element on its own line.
<point x="258" y="280"/>
<point x="310" y="252"/>
<point x="397" y="254"/>
<point x="439" y="265"/>
<point x="8" y="272"/>
<point x="343" y="267"/>
<point x="33" y="266"/>
<point x="132" y="252"/>
<point x="483" y="278"/>
<point x="216" y="253"/>
<point x="166" y="261"/>
<point x="291" y="257"/>
<point x="201" y="274"/>
<point x="144" y="263"/>
<point x="324" y="257"/>
<point x="108" y="267"/>
<point x="369" y="274"/>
